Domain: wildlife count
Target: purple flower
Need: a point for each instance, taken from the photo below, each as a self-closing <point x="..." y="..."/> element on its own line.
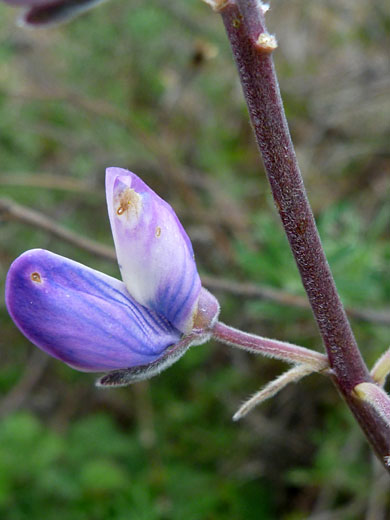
<point x="81" y="316"/>
<point x="96" y="323"/>
<point x="49" y="12"/>
<point x="154" y="252"/>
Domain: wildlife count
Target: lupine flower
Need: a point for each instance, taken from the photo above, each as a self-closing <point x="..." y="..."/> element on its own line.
<point x="94" y="322"/>
<point x="49" y="12"/>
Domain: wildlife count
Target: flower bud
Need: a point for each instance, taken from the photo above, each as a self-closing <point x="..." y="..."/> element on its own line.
<point x="154" y="253"/>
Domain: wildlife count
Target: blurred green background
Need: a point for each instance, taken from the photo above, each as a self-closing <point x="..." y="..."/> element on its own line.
<point x="151" y="86"/>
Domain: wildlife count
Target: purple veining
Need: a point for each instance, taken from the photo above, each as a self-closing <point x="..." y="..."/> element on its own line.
<point x="81" y="316"/>
<point x="153" y="250"/>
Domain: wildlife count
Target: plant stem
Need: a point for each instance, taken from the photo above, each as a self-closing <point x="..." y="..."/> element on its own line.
<point x="293" y="375"/>
<point x="376" y="397"/>
<point x="381" y="369"/>
<point x="269" y="347"/>
<point x="252" y="45"/>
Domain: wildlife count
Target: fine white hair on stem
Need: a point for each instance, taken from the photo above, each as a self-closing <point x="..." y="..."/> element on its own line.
<point x="272" y="388"/>
<point x="381" y="369"/>
<point x="375" y="395"/>
<point x="263" y="6"/>
<point x="271" y="348"/>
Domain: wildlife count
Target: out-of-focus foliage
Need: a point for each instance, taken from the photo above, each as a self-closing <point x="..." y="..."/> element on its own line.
<point x="151" y="86"/>
<point x="96" y="470"/>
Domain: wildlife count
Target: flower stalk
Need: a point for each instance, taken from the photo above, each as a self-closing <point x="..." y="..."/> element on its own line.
<point x="293" y="375"/>
<point x="272" y="348"/>
<point x="381" y="369"/>
<point x="305" y="361"/>
<point x="377" y="398"/>
<point x="252" y="48"/>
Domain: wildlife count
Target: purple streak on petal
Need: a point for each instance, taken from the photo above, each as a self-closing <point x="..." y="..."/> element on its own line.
<point x="154" y="252"/>
<point x="81" y="316"/>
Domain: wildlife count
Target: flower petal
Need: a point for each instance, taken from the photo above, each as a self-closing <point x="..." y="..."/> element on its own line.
<point x="154" y="252"/>
<point x="81" y="316"/>
<point x="128" y="376"/>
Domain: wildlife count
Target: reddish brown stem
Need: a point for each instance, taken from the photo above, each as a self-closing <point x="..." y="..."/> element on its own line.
<point x="252" y="49"/>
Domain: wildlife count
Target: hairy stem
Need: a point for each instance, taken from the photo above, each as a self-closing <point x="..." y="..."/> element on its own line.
<point x="381" y="369"/>
<point x="376" y="397"/>
<point x="252" y="48"/>
<point x="293" y="375"/>
<point x="269" y="347"/>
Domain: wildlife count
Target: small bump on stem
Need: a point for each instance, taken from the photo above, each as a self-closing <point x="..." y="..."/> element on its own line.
<point x="266" y="42"/>
<point x="218" y="5"/>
